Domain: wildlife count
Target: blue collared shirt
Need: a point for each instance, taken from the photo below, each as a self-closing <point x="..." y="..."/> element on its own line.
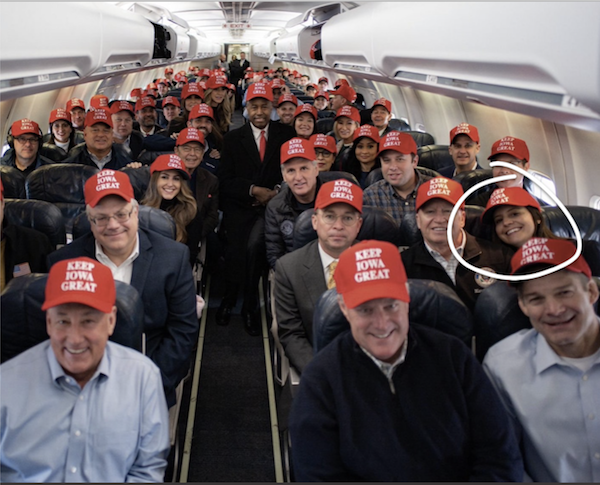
<point x="554" y="405"/>
<point x="115" y="429"/>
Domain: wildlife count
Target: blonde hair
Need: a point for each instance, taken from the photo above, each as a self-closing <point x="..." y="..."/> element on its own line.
<point x="183" y="211"/>
<point x="336" y="132"/>
<point x="222" y="112"/>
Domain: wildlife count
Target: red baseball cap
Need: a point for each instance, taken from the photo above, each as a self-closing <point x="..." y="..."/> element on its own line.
<point x="511" y="146"/>
<point x="80" y="280"/>
<point x="249" y="69"/>
<point x="168" y="70"/>
<point x="23" y="126"/>
<point x="277" y="83"/>
<point x="121" y="106"/>
<point x="188" y="135"/>
<point x="337" y="191"/>
<point x="171" y="100"/>
<point x="231" y="87"/>
<point x="260" y="90"/>
<point x="136" y="93"/>
<point x="152" y="86"/>
<point x="204" y="72"/>
<point x="398" y="142"/>
<point x="508" y="196"/>
<point x="218" y="81"/>
<point x="368" y="131"/>
<point x="323" y="79"/>
<point x="323" y="94"/>
<point x="385" y="103"/>
<point x="464" y="129"/>
<point x="169" y="161"/>
<point x="370" y="270"/>
<point x="539" y="250"/>
<point x="201" y="110"/>
<point x="438" y="188"/>
<point x="325" y="142"/>
<point x="349" y="112"/>
<point x="100" y="115"/>
<point x="75" y="103"/>
<point x="107" y="182"/>
<point x="59" y="114"/>
<point x="145" y="102"/>
<point x="162" y="81"/>
<point x="192" y="89"/>
<point x="306" y="108"/>
<point x="180" y="78"/>
<point x="98" y="101"/>
<point x="345" y="92"/>
<point x="341" y="82"/>
<point x="297" y="148"/>
<point x="288" y="98"/>
<point x="182" y="73"/>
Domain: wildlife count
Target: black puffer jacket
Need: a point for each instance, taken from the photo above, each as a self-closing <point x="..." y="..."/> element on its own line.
<point x="120" y="157"/>
<point x="280" y="217"/>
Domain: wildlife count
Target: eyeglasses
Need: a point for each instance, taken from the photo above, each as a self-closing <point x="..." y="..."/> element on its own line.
<point x="323" y="153"/>
<point x="347" y="219"/>
<point x="189" y="149"/>
<point x="120" y="217"/>
<point x="25" y="141"/>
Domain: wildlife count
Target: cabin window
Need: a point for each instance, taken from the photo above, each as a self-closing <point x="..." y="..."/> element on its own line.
<point x="547" y="182"/>
<point x="595" y="202"/>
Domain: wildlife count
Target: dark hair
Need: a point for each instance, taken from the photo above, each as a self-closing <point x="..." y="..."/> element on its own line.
<point x="353" y="165"/>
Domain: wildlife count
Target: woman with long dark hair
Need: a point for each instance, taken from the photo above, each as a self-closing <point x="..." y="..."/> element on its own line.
<point x="216" y="96"/>
<point x="347" y="121"/>
<point x="62" y="134"/>
<point x="363" y="158"/>
<point x="168" y="190"/>
<point x="305" y="120"/>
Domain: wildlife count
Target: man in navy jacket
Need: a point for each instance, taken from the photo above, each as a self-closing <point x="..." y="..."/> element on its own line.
<point x="157" y="267"/>
<point x="390" y="401"/>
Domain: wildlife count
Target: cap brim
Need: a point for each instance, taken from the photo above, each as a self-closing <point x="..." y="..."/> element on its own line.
<point x="384" y="289"/>
<point x="86" y="298"/>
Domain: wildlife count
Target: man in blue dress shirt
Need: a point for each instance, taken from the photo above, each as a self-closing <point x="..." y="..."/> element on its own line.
<point x="77" y="408"/>
<point x="549" y="376"/>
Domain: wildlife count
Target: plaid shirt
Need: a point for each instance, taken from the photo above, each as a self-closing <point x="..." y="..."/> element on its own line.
<point x="381" y="194"/>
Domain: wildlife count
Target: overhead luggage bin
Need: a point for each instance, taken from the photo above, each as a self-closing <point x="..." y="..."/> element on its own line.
<point x="516" y="56"/>
<point x="177" y="42"/>
<point x="265" y="49"/>
<point x="112" y="41"/>
<point x="201" y="47"/>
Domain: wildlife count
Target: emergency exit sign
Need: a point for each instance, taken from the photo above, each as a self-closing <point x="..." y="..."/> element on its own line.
<point x="236" y="26"/>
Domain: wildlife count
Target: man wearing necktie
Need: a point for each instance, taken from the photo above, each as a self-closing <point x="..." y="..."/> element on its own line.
<point x="249" y="177"/>
<point x="303" y="275"/>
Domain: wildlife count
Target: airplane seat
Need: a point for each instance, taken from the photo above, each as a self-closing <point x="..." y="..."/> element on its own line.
<point x="326" y="113"/>
<point x="497" y="315"/>
<point x="147" y="157"/>
<point x="39" y="215"/>
<point x="473" y="224"/>
<point x="586" y="219"/>
<point x="469" y="179"/>
<point x="375" y="175"/>
<point x="360" y="102"/>
<point x="13" y="181"/>
<point x="397" y="124"/>
<point x="76" y="149"/>
<point x="324" y="125"/>
<point x="434" y="156"/>
<point x="62" y="185"/>
<point x="139" y="178"/>
<point x="150" y="218"/>
<point x="53" y="152"/>
<point x="432" y="304"/>
<point x="422" y="138"/>
<point x="24" y="322"/>
<point x="377" y="224"/>
<point x="337" y="174"/>
<point x="305" y="98"/>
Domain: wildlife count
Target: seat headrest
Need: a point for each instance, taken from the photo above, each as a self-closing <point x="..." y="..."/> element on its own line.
<point x="39" y="215"/>
<point x="469" y="179"/>
<point x="375" y="175"/>
<point x="421" y="138"/>
<point x="53" y="152"/>
<point x="139" y="178"/>
<point x="335" y="175"/>
<point x="150" y="218"/>
<point x="24" y="322"/>
<point x="432" y="304"/>
<point x="13" y="181"/>
<point x="434" y="156"/>
<point x="59" y="182"/>
<point x="473" y="224"/>
<point x="586" y="218"/>
<point x="396" y="124"/>
<point x="324" y="125"/>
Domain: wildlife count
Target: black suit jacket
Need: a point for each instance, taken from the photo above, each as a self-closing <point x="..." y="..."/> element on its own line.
<point x="163" y="277"/>
<point x="299" y="283"/>
<point x="240" y="167"/>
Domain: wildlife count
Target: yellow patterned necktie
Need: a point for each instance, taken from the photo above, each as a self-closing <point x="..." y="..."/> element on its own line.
<point x="331" y="281"/>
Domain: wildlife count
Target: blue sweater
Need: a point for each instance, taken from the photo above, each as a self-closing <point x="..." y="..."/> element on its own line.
<point x="444" y="422"/>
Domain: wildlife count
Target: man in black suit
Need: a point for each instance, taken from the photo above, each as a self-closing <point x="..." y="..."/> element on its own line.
<point x="249" y="177"/>
<point x="122" y="116"/>
<point x="156" y="266"/>
<point x="302" y="276"/>
<point x="237" y="68"/>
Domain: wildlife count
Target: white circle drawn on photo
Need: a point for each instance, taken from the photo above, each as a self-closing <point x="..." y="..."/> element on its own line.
<point x="502" y="178"/>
